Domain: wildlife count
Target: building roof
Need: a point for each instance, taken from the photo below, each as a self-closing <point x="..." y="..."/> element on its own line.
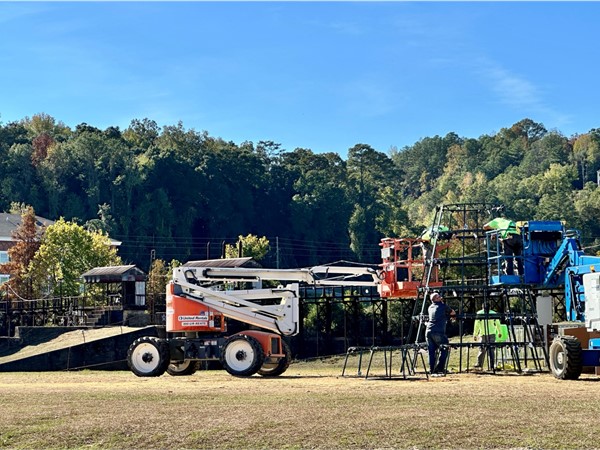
<point x="224" y="262"/>
<point x="114" y="274"/>
<point x="10" y="222"/>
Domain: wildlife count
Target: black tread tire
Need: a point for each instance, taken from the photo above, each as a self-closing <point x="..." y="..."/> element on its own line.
<point x="148" y="356"/>
<point x="565" y="358"/>
<point x="242" y="355"/>
<point x="274" y="370"/>
<point x="187" y="367"/>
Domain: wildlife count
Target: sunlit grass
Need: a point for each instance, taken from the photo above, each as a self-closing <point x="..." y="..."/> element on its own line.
<point x="311" y="406"/>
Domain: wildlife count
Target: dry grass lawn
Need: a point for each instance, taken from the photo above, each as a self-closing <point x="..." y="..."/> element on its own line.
<point x="310" y="407"/>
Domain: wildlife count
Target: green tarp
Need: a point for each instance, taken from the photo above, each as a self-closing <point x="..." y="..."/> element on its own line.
<point x="504" y="226"/>
<point x="427" y="234"/>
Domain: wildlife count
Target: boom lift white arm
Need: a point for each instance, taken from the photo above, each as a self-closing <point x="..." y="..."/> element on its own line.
<point x="318" y="275"/>
<point x="272" y="309"/>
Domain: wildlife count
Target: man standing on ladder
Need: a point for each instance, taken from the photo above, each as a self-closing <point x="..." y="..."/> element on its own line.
<point x="435" y="333"/>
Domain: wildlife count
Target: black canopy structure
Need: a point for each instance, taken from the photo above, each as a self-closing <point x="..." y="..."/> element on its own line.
<point x="125" y="283"/>
<point x="223" y="262"/>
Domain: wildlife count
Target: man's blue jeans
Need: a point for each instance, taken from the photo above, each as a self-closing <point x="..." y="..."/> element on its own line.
<point x="437" y="341"/>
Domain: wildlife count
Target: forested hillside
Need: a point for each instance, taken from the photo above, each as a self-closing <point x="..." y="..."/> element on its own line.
<point x="177" y="193"/>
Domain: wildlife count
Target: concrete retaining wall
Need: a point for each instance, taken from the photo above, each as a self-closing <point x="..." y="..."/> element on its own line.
<point x="102" y="354"/>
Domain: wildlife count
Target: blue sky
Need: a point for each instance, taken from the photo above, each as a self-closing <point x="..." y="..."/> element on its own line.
<point x="317" y="75"/>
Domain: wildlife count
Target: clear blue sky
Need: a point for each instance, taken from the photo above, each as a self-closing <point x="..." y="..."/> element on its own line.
<point x="323" y="76"/>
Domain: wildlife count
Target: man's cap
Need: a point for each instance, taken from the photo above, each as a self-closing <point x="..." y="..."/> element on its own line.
<point x="434" y="296"/>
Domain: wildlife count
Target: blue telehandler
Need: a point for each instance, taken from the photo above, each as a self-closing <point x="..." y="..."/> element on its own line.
<point x="552" y="260"/>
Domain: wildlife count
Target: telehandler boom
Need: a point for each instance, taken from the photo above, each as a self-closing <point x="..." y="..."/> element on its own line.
<point x="554" y="260"/>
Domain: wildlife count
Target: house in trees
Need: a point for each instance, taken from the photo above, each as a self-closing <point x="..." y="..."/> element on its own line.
<point x="8" y="224"/>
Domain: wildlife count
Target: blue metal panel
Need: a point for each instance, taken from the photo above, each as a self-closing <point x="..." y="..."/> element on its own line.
<point x="590" y="358"/>
<point x="505" y="279"/>
<point x="534" y="269"/>
<point x="590" y="261"/>
<point x="594" y="344"/>
<point x="541" y="239"/>
<point x="544" y="225"/>
<point x="566" y="255"/>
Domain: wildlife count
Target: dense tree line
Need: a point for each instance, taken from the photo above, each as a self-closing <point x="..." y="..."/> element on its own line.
<point x="176" y="193"/>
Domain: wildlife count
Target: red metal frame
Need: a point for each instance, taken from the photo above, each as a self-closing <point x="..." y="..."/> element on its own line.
<point x="400" y="257"/>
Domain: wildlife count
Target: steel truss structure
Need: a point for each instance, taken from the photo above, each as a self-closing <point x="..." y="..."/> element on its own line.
<point x="334" y="319"/>
<point x="464" y="268"/>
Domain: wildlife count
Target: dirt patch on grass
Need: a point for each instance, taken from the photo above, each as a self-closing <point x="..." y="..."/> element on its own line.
<point x="310" y="407"/>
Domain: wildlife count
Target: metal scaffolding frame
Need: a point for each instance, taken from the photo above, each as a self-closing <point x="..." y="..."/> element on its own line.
<point x="465" y="270"/>
<point x="466" y="274"/>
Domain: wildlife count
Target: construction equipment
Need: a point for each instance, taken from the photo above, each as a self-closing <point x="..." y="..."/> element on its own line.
<point x="553" y="259"/>
<point x="201" y="296"/>
<point x="463" y="268"/>
<point x="404" y="266"/>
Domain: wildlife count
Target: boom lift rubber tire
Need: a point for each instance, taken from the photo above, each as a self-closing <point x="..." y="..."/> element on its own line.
<point x="148" y="356"/>
<point x="274" y="370"/>
<point x="187" y="367"/>
<point x="565" y="358"/>
<point x="242" y="355"/>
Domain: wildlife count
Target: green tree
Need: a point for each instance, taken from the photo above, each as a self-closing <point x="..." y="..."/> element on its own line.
<point x="158" y="277"/>
<point x="169" y="201"/>
<point x="393" y="220"/>
<point x="510" y="188"/>
<point x="586" y="155"/>
<point x="45" y="124"/>
<point x="587" y="206"/>
<point x="104" y="223"/>
<point x="475" y="188"/>
<point x="142" y="134"/>
<point x="553" y="148"/>
<point x="556" y="194"/>
<point x="320" y="207"/>
<point x="58" y="180"/>
<point x="233" y="180"/>
<point x="527" y="129"/>
<point x="252" y="246"/>
<point x="420" y="165"/>
<point x="20" y="182"/>
<point x="67" y="251"/>
<point x="509" y="146"/>
<point x="369" y="172"/>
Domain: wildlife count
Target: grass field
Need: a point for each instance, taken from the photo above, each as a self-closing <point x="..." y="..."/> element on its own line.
<point x="310" y="407"/>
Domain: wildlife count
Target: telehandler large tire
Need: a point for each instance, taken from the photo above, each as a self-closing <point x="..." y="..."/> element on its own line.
<point x="565" y="358"/>
<point x="242" y="355"/>
<point x="274" y="370"/>
<point x="187" y="367"/>
<point x="148" y="356"/>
